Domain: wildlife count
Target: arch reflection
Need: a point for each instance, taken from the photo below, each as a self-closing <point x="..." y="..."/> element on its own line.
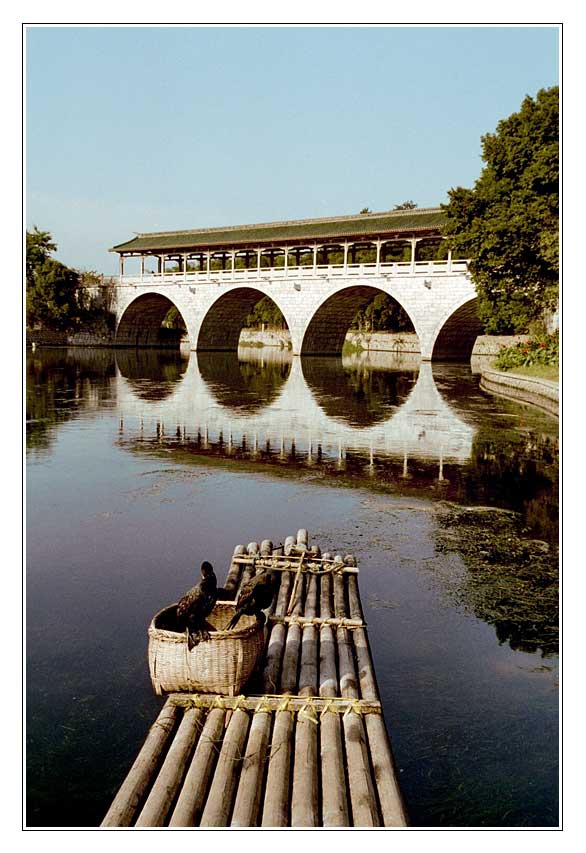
<point x="244" y="381"/>
<point x="152" y="374"/>
<point x="420" y="428"/>
<point x="357" y="392"/>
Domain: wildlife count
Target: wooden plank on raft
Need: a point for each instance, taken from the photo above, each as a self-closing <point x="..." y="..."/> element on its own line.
<point x="307" y="747"/>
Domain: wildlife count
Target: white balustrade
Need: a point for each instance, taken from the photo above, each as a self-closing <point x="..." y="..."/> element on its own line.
<point x="397" y="268"/>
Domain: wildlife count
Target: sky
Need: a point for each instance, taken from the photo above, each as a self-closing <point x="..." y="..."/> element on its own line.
<point x="137" y="129"/>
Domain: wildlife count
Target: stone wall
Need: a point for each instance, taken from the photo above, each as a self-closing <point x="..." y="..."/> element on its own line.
<point x="486" y="345"/>
<point x="47" y="338"/>
<point x="267" y="337"/>
<point x="526" y="389"/>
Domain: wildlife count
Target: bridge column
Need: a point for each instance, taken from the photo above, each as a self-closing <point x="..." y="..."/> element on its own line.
<point x="414" y="241"/>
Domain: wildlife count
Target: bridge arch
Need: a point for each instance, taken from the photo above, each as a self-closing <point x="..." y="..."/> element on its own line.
<point x="226" y="316"/>
<point x="456" y="336"/>
<point x="327" y="328"/>
<point x="140" y="324"/>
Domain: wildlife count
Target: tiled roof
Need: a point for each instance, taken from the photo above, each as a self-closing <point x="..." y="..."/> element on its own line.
<point x="399" y="222"/>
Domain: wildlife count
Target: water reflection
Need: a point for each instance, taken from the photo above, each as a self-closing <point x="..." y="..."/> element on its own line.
<point x="391" y="416"/>
<point x="359" y="393"/>
<point x="408" y="427"/>
<point x="244" y="384"/>
<point x="63" y="384"/>
<point x="152" y="374"/>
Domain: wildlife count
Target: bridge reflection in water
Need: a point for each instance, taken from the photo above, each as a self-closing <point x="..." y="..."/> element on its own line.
<point x="366" y="410"/>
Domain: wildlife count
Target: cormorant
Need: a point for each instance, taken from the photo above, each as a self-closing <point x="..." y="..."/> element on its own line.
<point x="255" y="596"/>
<point x="196" y="605"/>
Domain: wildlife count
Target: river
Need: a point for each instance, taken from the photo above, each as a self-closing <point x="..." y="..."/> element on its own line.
<point x="141" y="465"/>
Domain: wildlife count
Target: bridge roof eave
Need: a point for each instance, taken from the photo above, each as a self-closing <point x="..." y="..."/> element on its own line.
<point x="392" y="224"/>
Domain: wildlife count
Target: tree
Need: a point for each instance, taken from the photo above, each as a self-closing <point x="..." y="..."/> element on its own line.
<point x="51" y="287"/>
<point x="366" y="210"/>
<point x="39" y="245"/>
<point x="382" y="314"/>
<point x="61" y="298"/>
<point x="266" y="313"/>
<point x="508" y="223"/>
<point x="406" y="205"/>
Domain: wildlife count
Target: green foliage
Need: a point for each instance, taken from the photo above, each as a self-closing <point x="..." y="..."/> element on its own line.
<point x="61" y="298"/>
<point x="508" y="223"/>
<point x="406" y="205"/>
<point x="174" y="320"/>
<point x="536" y="351"/>
<point x="383" y="314"/>
<point x="366" y="210"/>
<point x="51" y="295"/>
<point x="266" y="313"/>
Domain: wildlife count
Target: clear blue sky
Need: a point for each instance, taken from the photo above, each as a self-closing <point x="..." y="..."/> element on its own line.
<point x="157" y="128"/>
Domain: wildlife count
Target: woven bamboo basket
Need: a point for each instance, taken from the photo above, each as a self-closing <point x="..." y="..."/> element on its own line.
<point x="223" y="664"/>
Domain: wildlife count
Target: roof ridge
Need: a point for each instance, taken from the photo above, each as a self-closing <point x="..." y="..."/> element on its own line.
<point x="346" y="218"/>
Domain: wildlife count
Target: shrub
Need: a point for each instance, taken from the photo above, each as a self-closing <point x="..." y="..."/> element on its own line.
<point x="540" y="350"/>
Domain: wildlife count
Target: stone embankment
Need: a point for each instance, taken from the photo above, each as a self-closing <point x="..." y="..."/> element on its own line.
<point x="48" y="338"/>
<point x="525" y="389"/>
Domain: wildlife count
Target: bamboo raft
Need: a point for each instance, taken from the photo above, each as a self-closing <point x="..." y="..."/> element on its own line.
<point x="307" y="747"/>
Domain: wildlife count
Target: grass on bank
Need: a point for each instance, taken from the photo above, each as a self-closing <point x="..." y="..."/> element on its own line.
<point x="538" y="357"/>
<point x="539" y="371"/>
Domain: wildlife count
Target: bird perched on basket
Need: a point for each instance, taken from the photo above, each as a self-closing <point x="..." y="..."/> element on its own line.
<point x="255" y="596"/>
<point x="196" y="605"/>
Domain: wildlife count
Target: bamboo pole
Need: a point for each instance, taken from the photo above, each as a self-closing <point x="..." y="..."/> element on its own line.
<point x="191" y="799"/>
<point x="219" y="802"/>
<point x="170" y="776"/>
<point x="290" y="542"/>
<point x="328" y="680"/>
<point x="309" y="647"/>
<point x="266" y="548"/>
<point x="132" y="790"/>
<point x="277" y="795"/>
<point x="339" y="597"/>
<point x="391" y="800"/>
<point x="276" y="641"/>
<point x="289" y="676"/>
<point x="253" y="550"/>
<point x="333" y="775"/>
<point x="303" y="538"/>
<point x="234" y="572"/>
<point x="362" y="790"/>
<point x="249" y="794"/>
<point x="305" y="799"/>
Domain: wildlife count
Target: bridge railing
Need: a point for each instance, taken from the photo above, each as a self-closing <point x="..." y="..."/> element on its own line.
<point x="320" y="271"/>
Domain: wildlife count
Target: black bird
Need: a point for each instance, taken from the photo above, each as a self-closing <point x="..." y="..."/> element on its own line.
<point x="196" y="605"/>
<point x="255" y="596"/>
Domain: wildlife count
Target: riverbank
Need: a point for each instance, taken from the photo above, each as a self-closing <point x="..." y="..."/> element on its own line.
<point x="539" y="392"/>
<point x="394" y="342"/>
